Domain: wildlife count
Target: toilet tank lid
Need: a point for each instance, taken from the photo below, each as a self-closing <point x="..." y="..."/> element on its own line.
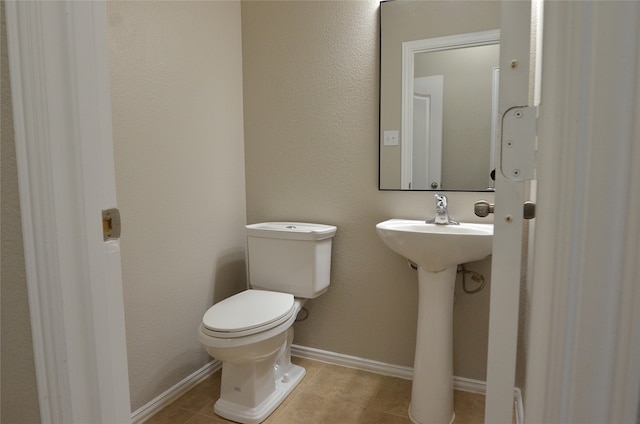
<point x="291" y="230"/>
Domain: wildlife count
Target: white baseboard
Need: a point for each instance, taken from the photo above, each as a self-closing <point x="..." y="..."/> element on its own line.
<point x="148" y="410"/>
<point x="352" y="362"/>
<point x="519" y="407"/>
<point x="171" y="394"/>
<point x="469" y="385"/>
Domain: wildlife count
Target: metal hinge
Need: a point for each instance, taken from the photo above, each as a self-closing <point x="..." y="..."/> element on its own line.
<point x="111" y="224"/>
<point x="519" y="136"/>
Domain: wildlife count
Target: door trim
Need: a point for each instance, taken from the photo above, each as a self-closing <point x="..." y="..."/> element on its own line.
<point x="508" y="222"/>
<point x="409" y="50"/>
<point x="62" y="119"/>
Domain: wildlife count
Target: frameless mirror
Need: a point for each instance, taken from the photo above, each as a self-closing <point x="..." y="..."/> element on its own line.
<point x="438" y="95"/>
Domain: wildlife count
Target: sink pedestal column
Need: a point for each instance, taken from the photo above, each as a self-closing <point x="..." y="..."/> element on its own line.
<point x="432" y="391"/>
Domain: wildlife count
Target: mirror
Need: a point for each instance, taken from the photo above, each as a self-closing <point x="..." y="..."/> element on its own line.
<point x="438" y="95"/>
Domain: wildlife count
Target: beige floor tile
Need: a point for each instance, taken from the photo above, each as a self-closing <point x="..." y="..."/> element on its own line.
<point x="327" y="394"/>
<point x="393" y="397"/>
<point x="372" y="416"/>
<point x="308" y="408"/>
<point x="207" y="410"/>
<point x="172" y="414"/>
<point x="311" y="367"/>
<point x="345" y="384"/>
<point x="469" y="407"/>
<point x="202" y="419"/>
<point x="201" y="395"/>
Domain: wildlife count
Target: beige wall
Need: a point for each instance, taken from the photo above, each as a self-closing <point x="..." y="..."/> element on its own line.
<point x="311" y="140"/>
<point x="176" y="76"/>
<point x="19" y="392"/>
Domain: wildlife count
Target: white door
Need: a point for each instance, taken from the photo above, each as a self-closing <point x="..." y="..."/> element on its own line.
<point x="421" y="138"/>
<point x="584" y="319"/>
<point x="62" y="119"/>
<point x="426" y="138"/>
<point x="508" y="220"/>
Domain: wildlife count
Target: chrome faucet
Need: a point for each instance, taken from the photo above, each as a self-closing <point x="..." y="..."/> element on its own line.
<point x="442" y="212"/>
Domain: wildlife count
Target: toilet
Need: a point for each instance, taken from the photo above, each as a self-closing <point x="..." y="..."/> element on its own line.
<point x="251" y="332"/>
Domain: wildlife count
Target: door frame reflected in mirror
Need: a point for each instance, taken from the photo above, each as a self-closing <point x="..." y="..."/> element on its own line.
<point x="409" y="51"/>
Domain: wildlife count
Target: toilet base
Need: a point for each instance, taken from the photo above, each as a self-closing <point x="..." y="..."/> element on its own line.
<point x="254" y="415"/>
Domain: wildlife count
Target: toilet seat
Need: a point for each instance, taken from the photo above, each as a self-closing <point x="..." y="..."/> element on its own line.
<point x="248" y="312"/>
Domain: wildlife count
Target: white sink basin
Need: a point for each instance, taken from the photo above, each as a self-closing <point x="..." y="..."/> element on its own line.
<point x="437" y="250"/>
<point x="436" y="247"/>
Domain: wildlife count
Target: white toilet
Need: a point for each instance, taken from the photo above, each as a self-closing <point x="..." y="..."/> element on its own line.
<point x="251" y="332"/>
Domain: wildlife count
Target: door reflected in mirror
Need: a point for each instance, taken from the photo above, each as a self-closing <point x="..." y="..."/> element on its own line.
<point x="440" y="98"/>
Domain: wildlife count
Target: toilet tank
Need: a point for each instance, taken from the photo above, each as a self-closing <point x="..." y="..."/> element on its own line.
<point x="290" y="257"/>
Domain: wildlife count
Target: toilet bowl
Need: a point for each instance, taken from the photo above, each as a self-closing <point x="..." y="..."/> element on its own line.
<point x="255" y="350"/>
<point x="251" y="332"/>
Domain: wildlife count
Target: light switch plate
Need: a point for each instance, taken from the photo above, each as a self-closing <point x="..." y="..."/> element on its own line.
<point x="391" y="138"/>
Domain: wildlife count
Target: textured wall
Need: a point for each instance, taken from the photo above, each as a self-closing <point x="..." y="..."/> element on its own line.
<point x="19" y="391"/>
<point x="311" y="142"/>
<point x="176" y="76"/>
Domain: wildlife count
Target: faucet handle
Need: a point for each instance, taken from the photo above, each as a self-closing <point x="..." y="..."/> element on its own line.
<point x="482" y="208"/>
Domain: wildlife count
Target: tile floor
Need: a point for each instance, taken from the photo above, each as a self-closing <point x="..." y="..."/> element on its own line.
<point x="328" y="394"/>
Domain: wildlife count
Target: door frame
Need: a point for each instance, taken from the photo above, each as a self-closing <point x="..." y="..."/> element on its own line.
<point x="409" y="50"/>
<point x="66" y="177"/>
<point x="506" y="262"/>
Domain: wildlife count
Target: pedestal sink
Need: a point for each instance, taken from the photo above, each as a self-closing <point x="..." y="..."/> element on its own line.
<point x="437" y="250"/>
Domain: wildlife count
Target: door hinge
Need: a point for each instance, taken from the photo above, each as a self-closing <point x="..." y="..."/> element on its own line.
<point x="518" y="141"/>
<point x="111" y="224"/>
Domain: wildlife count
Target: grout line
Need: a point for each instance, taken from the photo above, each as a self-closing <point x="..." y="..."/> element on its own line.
<point x="377" y="391"/>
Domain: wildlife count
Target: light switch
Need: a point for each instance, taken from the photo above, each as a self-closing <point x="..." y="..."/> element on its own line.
<point x="391" y="138"/>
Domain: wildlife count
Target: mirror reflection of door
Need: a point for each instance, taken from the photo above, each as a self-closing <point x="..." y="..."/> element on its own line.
<point x="426" y="139"/>
<point x="466" y="61"/>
